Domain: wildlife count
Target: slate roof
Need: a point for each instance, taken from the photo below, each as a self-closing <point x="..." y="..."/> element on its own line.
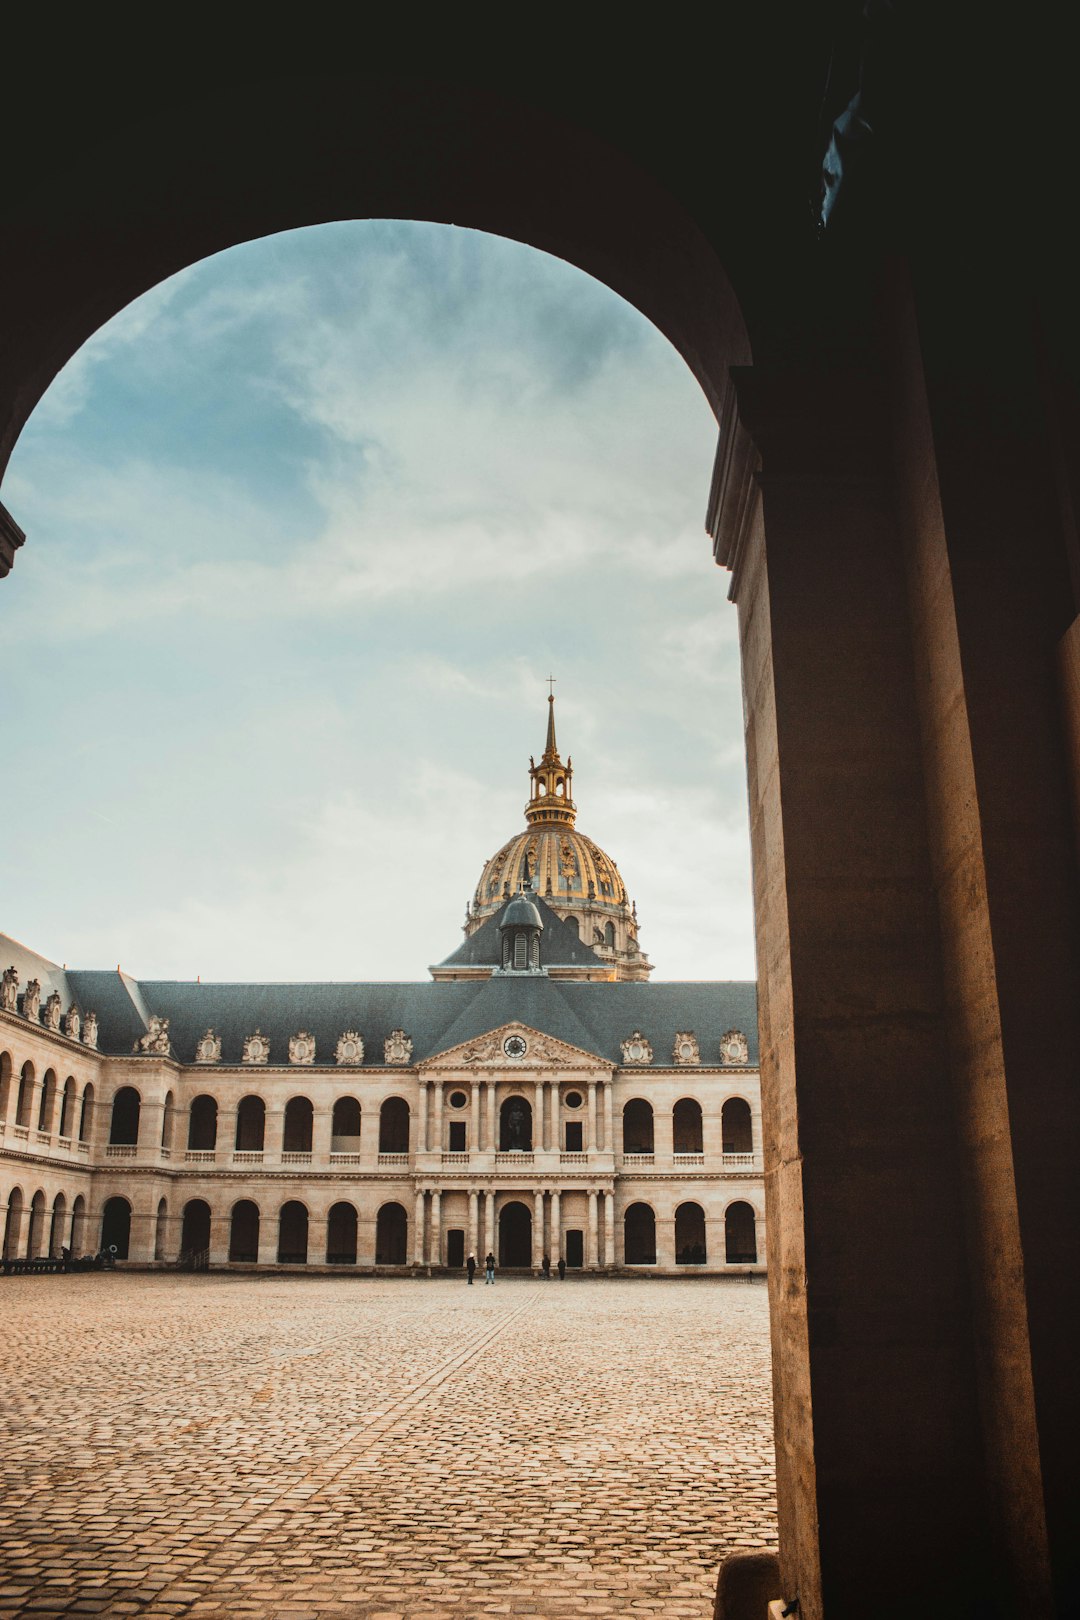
<point x="596" y="1016"/>
<point x="559" y="943"/>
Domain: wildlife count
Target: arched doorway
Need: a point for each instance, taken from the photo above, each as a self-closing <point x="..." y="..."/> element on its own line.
<point x="516" y="1125"/>
<point x="690" y="1246"/>
<point x="639" y="1236"/>
<point x="515" y="1235"/>
<point x="244" y="1231"/>
<point x="57" y="1235"/>
<point x="195" y="1227"/>
<point x="740" y="1235"/>
<point x="35" y="1237"/>
<point x="78" y="1225"/>
<point x="391" y="1234"/>
<point x="116" y="1227"/>
<point x="293" y="1234"/>
<point x="341" y="1235"/>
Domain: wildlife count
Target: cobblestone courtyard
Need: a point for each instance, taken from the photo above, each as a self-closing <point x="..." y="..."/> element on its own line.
<point x="308" y="1447"/>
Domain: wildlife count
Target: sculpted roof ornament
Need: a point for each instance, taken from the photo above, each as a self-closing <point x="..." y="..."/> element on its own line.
<point x="686" y="1049"/>
<point x="397" y="1048"/>
<point x="208" y="1050"/>
<point x="302" y="1047"/>
<point x="256" y="1048"/>
<point x="350" y="1048"/>
<point x="156" y="1038"/>
<point x="32" y="1000"/>
<point x="636" y="1049"/>
<point x="9" y="990"/>
<point x="734" y="1047"/>
<point x="72" y="1023"/>
<point x="89" y="1030"/>
<point x="52" y="1010"/>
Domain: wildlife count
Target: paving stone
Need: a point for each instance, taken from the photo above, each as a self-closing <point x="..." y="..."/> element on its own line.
<point x="296" y="1449"/>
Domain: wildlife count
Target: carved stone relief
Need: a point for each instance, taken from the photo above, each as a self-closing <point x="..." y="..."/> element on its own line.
<point x="72" y="1023"/>
<point x="256" y="1048"/>
<point x="636" y="1049"/>
<point x="9" y="990"/>
<point x="734" y="1047"/>
<point x="350" y="1048"/>
<point x="302" y="1047"/>
<point x="208" y="1050"/>
<point x="89" y="1030"/>
<point x="52" y="1010"/>
<point x="686" y="1049"/>
<point x="397" y="1048"/>
<point x="32" y="1000"/>
<point x="156" y="1038"/>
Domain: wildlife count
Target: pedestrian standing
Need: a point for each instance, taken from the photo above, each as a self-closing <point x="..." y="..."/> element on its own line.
<point x="470" y="1266"/>
<point x="489" y="1269"/>
<point x="562" y="1269"/>
<point x="545" y="1267"/>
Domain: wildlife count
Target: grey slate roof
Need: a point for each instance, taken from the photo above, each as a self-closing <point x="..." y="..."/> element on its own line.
<point x="30" y="965"/>
<point x="559" y="944"/>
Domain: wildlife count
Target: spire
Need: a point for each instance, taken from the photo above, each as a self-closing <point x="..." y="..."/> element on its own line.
<point x="550" y="800"/>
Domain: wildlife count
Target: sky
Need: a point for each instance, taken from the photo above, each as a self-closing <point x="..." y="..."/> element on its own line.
<point x="309" y="525"/>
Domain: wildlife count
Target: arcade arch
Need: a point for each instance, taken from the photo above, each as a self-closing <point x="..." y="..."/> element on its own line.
<point x="394" y="1126"/>
<point x="202" y="1124"/>
<point x="638" y="1126"/>
<point x="736" y="1126"/>
<point x="341" y="1235"/>
<point x="195" y="1227"/>
<point x="293" y="1234"/>
<point x="391" y="1235"/>
<point x="515" y="1125"/>
<point x="515" y="1235"/>
<point x="124" y="1120"/>
<point x="686" y="1126"/>
<point x="250" y="1125"/>
<point x="116" y="1226"/>
<point x="298" y="1127"/>
<point x="244" y="1231"/>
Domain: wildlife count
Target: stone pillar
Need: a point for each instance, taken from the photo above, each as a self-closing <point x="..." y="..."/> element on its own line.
<point x="272" y="1139"/>
<point x="422" y="1145"/>
<point x="493" y="1117"/>
<point x="555" y="1137"/>
<point x="418" y="1231"/>
<point x="474" y="1129"/>
<point x="220" y="1233"/>
<point x="539" y="1121"/>
<point x="436" y="1223"/>
<point x="555" y="1244"/>
<point x="316" y="1239"/>
<point x="609" y="1116"/>
<point x="609" y="1228"/>
<point x="437" y="1145"/>
<point x="490" y="1233"/>
<point x="52" y="1122"/>
<point x="322" y="1126"/>
<point x="592" y="1143"/>
<point x="538" y="1230"/>
<point x="473" y="1232"/>
<point x="592" y="1258"/>
<point x="226" y="1133"/>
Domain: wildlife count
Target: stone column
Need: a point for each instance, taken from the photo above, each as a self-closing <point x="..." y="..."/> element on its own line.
<point x="316" y="1239"/>
<point x="273" y="1135"/>
<point x="52" y="1121"/>
<point x="418" y="1231"/>
<point x="437" y="1145"/>
<point x="555" y="1244"/>
<point x="220" y="1232"/>
<point x="592" y="1144"/>
<point x="268" y="1233"/>
<point x="592" y="1258"/>
<point x="422" y="1123"/>
<point x="609" y="1229"/>
<point x="538" y="1230"/>
<point x="436" y="1225"/>
<point x="473" y="1233"/>
<point x="474" y="1129"/>
<point x="322" y="1126"/>
<point x="555" y="1138"/>
<point x="489" y="1224"/>
<point x="609" y="1116"/>
<point x="226" y="1133"/>
<point x="493" y="1117"/>
<point x="538" y="1117"/>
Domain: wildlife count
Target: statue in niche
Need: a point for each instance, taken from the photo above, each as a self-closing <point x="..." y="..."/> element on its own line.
<point x="72" y="1023"/>
<point x="9" y="990"/>
<point x="156" y="1039"/>
<point x="517" y="1127"/>
<point x="52" y="1010"/>
<point x="32" y="1000"/>
<point x="89" y="1030"/>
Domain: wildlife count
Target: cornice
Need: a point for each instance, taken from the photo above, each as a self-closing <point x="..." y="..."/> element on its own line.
<point x="53" y="1036"/>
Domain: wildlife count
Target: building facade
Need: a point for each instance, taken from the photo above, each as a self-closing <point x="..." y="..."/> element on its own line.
<point x="539" y="1097"/>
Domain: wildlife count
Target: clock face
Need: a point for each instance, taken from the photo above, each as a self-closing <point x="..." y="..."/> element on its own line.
<point x="514" y="1046"/>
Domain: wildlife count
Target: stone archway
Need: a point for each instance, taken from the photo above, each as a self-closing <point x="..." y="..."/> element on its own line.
<point x="515" y="1236"/>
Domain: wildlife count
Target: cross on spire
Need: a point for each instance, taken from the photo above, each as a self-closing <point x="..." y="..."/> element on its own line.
<point x="551" y="685"/>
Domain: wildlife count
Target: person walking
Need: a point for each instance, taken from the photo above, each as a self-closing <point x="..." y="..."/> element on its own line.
<point x="470" y="1266"/>
<point x="562" y="1269"/>
<point x="489" y="1269"/>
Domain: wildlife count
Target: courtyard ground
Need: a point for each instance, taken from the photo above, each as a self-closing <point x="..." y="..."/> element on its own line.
<point x="393" y="1450"/>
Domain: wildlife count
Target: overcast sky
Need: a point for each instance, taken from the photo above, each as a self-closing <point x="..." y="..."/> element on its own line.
<point x="308" y="527"/>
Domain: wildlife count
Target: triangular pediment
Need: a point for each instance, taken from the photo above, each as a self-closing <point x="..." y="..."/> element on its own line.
<point x="499" y="1049"/>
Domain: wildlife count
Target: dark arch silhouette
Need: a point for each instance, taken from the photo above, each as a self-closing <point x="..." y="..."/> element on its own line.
<point x="686" y="1126"/>
<point x="116" y="1226"/>
<point x="515" y="1235"/>
<point x="293" y="1234"/>
<point x="299" y="1121"/>
<point x="202" y="1124"/>
<point x="13" y="1224"/>
<point x="341" y="1235"/>
<point x="195" y="1227"/>
<point x="391" y="1234"/>
<point x="690" y="1241"/>
<point x="516" y="1125"/>
<point x="25" y="1099"/>
<point x="124" y="1121"/>
<point x="250" y="1125"/>
<point x="160" y="1227"/>
<point x="639" y="1236"/>
<point x="67" y="1108"/>
<point x="637" y="1126"/>
<point x="740" y="1234"/>
<point x="244" y="1231"/>
<point x="48" y="1095"/>
<point x="346" y="1118"/>
<point x="394" y="1126"/>
<point x="86" y="1114"/>
<point x="57" y="1235"/>
<point x="736" y="1126"/>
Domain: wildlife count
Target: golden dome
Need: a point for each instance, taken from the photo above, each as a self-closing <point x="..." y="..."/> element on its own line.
<point x="576" y="878"/>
